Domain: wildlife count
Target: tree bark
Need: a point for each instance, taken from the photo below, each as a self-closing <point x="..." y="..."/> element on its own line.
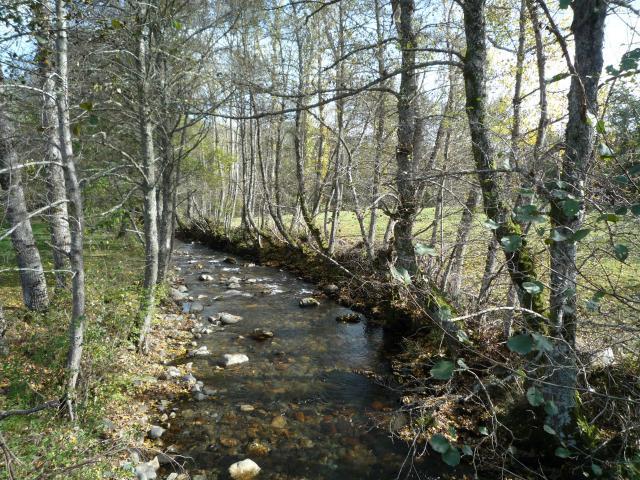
<point x="32" y="278"/>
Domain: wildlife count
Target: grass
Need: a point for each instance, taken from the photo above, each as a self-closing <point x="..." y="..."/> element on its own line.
<point x="34" y="370"/>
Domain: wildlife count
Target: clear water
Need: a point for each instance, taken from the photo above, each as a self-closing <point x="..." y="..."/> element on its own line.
<point x="305" y="374"/>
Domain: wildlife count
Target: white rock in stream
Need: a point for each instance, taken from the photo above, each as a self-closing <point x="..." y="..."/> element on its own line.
<point x="199" y="352"/>
<point x="244" y="469"/>
<point x="204" y="277"/>
<point x="228" y="318"/>
<point x="229" y="359"/>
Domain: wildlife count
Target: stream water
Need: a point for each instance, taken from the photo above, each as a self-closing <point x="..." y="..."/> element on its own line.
<point x="297" y="408"/>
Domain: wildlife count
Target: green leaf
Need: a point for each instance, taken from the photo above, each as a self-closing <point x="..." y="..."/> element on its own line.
<point x="600" y="127"/>
<point x="400" y="274"/>
<point x="534" y="397"/>
<point x="439" y="443"/>
<point x="462" y="364"/>
<point x="177" y="25"/>
<point x="483" y="431"/>
<point x="541" y="343"/>
<point x="521" y="344"/>
<point x="534" y="288"/>
<point x="462" y="338"/>
<point x="490" y="224"/>
<point x="551" y="408"/>
<point x="635" y="209"/>
<point x="116" y="24"/>
<point x="511" y="243"/>
<point x="75" y="129"/>
<point x="86" y="106"/>
<point x="443" y="370"/>
<point x="564" y="4"/>
<point x="451" y="457"/>
<point x="562" y="452"/>
<point x="558" y="236"/>
<point x="424" y="250"/>
<point x="621" y="251"/>
<point x="596" y="469"/>
<point x="570" y="207"/>
<point x="467" y="450"/>
<point x="549" y="430"/>
<point x="609" y="217"/>
<point x="580" y="234"/>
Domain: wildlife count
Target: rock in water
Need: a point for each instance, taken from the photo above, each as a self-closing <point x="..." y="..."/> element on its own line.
<point x="183" y="289"/>
<point x="261" y="334"/>
<point x="196" y="307"/>
<point x="230" y="260"/>
<point x="205" y="277"/>
<point x="229" y="319"/>
<point x="331" y="289"/>
<point x="348" y="318"/>
<point x="155" y="432"/>
<point x="199" y="352"/>
<point x="147" y="471"/>
<point x="229" y="359"/>
<point x="308" y="302"/>
<point x="244" y="470"/>
<point x="176" y="295"/>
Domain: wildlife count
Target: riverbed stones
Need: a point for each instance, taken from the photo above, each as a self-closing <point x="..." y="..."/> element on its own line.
<point x="331" y="289"/>
<point x="147" y="470"/>
<point x="196" y="307"/>
<point x="261" y="334"/>
<point x="205" y="277"/>
<point x="201" y="351"/>
<point x="228" y="318"/>
<point x="176" y="295"/>
<point x="246" y="408"/>
<point x="308" y="302"/>
<point x="182" y="288"/>
<point x="230" y="359"/>
<point x="244" y="470"/>
<point x="170" y="373"/>
<point x="279" y="422"/>
<point x="257" y="449"/>
<point x="155" y="432"/>
<point x="230" y="261"/>
<point x="350" y="317"/>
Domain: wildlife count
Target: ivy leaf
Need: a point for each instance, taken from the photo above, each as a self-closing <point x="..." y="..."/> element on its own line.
<point x="86" y="106"/>
<point x="116" y="24"/>
<point x="466" y="450"/>
<point x="580" y="234"/>
<point x="564" y="4"/>
<point x="541" y="343"/>
<point x="424" y="250"/>
<point x="483" y="431"/>
<point x="462" y="364"/>
<point x="443" y="370"/>
<point x="400" y="274"/>
<point x="462" y="338"/>
<point x="511" y="243"/>
<point x="562" y="452"/>
<point x="596" y="469"/>
<point x="490" y="224"/>
<point x="534" y="397"/>
<point x="439" y="443"/>
<point x="534" y="288"/>
<point x="621" y="251"/>
<point x="521" y="344"/>
<point x="570" y="207"/>
<point x="635" y="209"/>
<point x="549" y="430"/>
<point x="451" y="457"/>
<point x="551" y="408"/>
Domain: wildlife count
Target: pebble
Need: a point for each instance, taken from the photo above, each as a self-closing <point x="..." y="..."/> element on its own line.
<point x="155" y="432"/>
<point x="204" y="277"/>
<point x="244" y="470"/>
<point x="308" y="302"/>
<point x="246" y="408"/>
<point x="279" y="422"/>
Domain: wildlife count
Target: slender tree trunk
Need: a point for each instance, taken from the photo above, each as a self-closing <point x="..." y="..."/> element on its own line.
<point x="580" y="141"/>
<point x="32" y="278"/>
<point x="405" y="159"/>
<point x="149" y="187"/>
<point x="76" y="212"/>
<point x="56" y="195"/>
<point x="520" y="261"/>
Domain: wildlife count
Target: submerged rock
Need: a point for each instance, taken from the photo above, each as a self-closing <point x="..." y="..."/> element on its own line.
<point x="196" y="307"/>
<point x="308" y="302"/>
<point x="155" y="432"/>
<point x="279" y="422"/>
<point x="257" y="449"/>
<point x="229" y="319"/>
<point x="229" y="359"/>
<point x="244" y="470"/>
<point x="147" y="470"/>
<point x="348" y="318"/>
<point x="261" y="334"/>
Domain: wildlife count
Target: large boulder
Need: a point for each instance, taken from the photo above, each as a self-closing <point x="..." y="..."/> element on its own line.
<point x="244" y="470"/>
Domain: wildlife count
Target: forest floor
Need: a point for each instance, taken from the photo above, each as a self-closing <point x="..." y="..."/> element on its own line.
<point x="118" y="385"/>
